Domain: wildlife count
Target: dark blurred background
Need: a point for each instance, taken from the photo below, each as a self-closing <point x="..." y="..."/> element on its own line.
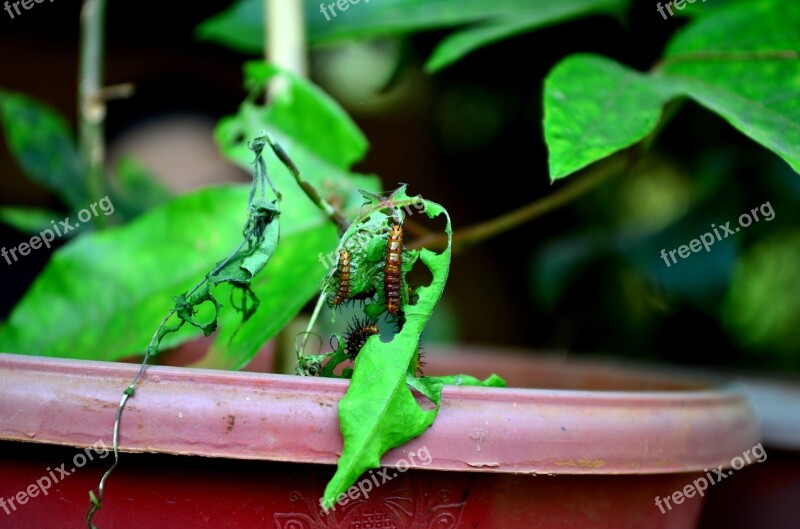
<point x="587" y="278"/>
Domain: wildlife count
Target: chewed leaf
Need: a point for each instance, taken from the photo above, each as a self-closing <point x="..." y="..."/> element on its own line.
<point x="262" y="240"/>
<point x="379" y="411"/>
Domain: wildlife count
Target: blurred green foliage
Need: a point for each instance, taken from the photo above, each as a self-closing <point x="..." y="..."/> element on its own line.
<point x="731" y="68"/>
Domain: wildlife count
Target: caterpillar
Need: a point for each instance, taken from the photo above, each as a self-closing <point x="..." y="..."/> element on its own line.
<point x="343" y="292"/>
<point x="391" y="275"/>
<point x="356" y="336"/>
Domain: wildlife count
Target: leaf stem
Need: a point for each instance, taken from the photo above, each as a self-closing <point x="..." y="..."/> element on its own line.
<point x="498" y="225"/>
<point x="336" y="216"/>
<point x="311" y="322"/>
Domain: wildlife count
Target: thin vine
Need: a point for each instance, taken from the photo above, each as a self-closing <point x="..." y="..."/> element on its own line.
<point x="261" y="233"/>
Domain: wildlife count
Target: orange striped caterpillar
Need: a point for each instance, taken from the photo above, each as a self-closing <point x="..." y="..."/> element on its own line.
<point x="357" y="334"/>
<point x="343" y="292"/>
<point x="391" y="275"/>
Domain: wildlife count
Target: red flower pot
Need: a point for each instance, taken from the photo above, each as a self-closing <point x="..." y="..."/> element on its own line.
<point x="593" y="446"/>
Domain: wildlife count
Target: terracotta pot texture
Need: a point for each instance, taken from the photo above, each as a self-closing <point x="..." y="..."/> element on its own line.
<point x="592" y="446"/>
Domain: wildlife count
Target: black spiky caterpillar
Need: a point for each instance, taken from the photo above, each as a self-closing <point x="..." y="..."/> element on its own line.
<point x="358" y="331"/>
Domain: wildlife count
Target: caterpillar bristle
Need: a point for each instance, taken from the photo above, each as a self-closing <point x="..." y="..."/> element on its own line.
<point x="362" y="297"/>
<point x="420" y="362"/>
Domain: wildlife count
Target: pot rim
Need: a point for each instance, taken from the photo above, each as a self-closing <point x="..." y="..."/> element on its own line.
<point x="241" y="415"/>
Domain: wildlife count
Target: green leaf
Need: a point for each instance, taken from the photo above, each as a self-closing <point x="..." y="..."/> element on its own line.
<point x="41" y="141"/>
<point x="102" y="294"/>
<point x="744" y="64"/>
<point x="454" y="47"/>
<point x="310" y="116"/>
<point x="429" y="387"/>
<point x="741" y="61"/>
<point x="594" y="107"/>
<point x="405" y="16"/>
<point x="241" y="26"/>
<point x="379" y="411"/>
<point x="335" y="180"/>
<point x="30" y="220"/>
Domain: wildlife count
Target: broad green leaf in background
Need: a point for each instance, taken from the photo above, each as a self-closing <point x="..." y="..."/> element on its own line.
<point x="241" y="26"/>
<point x="744" y="64"/>
<point x="304" y="111"/>
<point x="379" y="411"/>
<point x="544" y="13"/>
<point x="30" y="220"/>
<point x="406" y="16"/>
<point x="594" y="107"/>
<point x="741" y="61"/>
<point x="101" y="295"/>
<point x="41" y="142"/>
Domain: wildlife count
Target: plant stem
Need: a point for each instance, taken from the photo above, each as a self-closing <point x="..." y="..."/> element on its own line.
<point x="285" y="45"/>
<point x="491" y="228"/>
<point x="91" y="104"/>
